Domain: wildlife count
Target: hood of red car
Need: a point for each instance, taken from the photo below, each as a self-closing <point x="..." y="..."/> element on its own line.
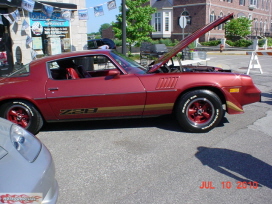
<point x="186" y="41"/>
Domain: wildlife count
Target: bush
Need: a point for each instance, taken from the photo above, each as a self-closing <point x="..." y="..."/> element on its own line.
<point x="269" y="41"/>
<point x="242" y="43"/>
<point x="261" y="42"/>
<point x="239" y="43"/>
<point x="230" y="43"/>
<point x="117" y="42"/>
<point x="211" y="43"/>
<point x="134" y="56"/>
<point x="167" y="42"/>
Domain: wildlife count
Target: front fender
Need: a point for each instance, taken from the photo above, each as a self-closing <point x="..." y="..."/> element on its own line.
<point x="232" y="104"/>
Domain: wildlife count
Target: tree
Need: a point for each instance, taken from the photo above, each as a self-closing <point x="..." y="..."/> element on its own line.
<point x="239" y="27"/>
<point x="138" y="17"/>
<point x="103" y="27"/>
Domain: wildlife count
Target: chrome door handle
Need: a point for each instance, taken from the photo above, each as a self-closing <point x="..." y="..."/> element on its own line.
<point x="53" y="89"/>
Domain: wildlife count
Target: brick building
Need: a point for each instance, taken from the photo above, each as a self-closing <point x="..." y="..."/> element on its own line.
<point x="43" y="35"/>
<point x="200" y="12"/>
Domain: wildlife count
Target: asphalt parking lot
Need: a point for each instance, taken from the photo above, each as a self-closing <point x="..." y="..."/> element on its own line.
<point x="154" y="161"/>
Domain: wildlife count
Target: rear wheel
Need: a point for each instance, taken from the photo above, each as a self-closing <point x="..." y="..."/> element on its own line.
<point x="22" y="113"/>
<point x="199" y="111"/>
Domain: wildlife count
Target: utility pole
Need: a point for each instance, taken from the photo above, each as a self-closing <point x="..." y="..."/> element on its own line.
<point x="124" y="29"/>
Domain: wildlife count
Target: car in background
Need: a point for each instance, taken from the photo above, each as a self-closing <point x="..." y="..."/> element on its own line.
<point x="96" y="43"/>
<point x="26" y="166"/>
<point x="104" y="84"/>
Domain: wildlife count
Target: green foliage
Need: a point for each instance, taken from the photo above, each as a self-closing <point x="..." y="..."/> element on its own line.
<point x="242" y="43"/>
<point x="230" y="43"/>
<point x="261" y="42"/>
<point x="239" y="27"/>
<point x="138" y="19"/>
<point x="191" y="46"/>
<point x="93" y="33"/>
<point x="211" y="43"/>
<point x="167" y="42"/>
<point x="269" y="41"/>
<point x="239" y="43"/>
<point x="103" y="27"/>
<point x="117" y="42"/>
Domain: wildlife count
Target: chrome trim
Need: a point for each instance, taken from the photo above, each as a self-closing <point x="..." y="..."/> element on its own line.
<point x="103" y="118"/>
<point x="53" y="89"/>
<point x="96" y="95"/>
<point x="172" y="90"/>
<point x="36" y="99"/>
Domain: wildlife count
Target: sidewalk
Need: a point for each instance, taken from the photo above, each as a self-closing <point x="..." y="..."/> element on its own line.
<point x="232" y="52"/>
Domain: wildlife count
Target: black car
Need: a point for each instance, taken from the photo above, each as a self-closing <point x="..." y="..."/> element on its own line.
<point x="96" y="43"/>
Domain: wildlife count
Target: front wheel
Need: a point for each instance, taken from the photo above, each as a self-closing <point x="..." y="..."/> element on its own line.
<point x="199" y="111"/>
<point x="22" y="113"/>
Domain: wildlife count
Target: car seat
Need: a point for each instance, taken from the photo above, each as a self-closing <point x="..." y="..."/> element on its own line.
<point x="72" y="74"/>
<point x="68" y="68"/>
<point x="83" y="72"/>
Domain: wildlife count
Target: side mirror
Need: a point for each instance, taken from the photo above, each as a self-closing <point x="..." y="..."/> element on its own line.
<point x="115" y="73"/>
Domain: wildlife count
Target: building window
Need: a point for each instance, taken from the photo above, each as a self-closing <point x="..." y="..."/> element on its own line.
<point x="255" y="28"/>
<point x="265" y="26"/>
<point x="212" y="17"/>
<point x="242" y="2"/>
<point x="158" y="22"/>
<point x="261" y="28"/>
<point x="220" y="27"/>
<point x="253" y="2"/>
<point x="166" y="21"/>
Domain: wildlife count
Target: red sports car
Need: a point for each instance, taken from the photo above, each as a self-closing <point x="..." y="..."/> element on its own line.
<point x="103" y="84"/>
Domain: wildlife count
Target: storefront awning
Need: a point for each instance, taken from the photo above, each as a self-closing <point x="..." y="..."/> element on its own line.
<point x="56" y="5"/>
<point x="18" y="3"/>
<point x="12" y="3"/>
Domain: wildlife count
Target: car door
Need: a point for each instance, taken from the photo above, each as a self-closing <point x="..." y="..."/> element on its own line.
<point x="104" y="95"/>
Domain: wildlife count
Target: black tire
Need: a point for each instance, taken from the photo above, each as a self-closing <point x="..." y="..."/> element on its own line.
<point x="22" y="113"/>
<point x="199" y="111"/>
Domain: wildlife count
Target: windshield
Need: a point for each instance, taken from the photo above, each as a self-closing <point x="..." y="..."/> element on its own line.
<point x="129" y="65"/>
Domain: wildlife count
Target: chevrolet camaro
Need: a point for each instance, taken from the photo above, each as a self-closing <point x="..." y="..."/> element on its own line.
<point x="104" y="84"/>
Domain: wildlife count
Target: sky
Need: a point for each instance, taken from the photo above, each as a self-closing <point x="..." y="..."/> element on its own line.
<point x="94" y="22"/>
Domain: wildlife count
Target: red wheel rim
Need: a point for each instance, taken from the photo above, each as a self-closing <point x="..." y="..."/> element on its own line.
<point x="200" y="111"/>
<point x="19" y="115"/>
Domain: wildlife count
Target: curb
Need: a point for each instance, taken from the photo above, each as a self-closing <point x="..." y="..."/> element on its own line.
<point x="225" y="53"/>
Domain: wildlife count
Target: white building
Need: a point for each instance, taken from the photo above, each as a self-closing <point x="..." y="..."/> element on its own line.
<point x="44" y="35"/>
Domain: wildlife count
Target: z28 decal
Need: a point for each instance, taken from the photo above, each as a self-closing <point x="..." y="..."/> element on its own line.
<point x="78" y="111"/>
<point x="163" y="106"/>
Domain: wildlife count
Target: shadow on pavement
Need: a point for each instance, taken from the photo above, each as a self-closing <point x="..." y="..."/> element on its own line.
<point x="269" y="98"/>
<point x="167" y="122"/>
<point x="231" y="163"/>
<point x="164" y="122"/>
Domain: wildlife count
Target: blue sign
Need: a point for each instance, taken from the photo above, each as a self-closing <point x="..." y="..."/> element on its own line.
<point x="55" y="20"/>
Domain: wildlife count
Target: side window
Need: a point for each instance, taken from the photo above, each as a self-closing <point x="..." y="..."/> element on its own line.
<point x="102" y="63"/>
<point x="80" y="67"/>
